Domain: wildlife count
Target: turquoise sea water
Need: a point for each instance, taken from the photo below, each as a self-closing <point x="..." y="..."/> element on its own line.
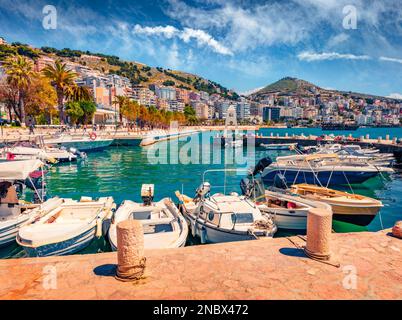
<point x="120" y="171"/>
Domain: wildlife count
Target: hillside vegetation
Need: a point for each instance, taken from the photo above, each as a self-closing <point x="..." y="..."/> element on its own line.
<point x="138" y="73"/>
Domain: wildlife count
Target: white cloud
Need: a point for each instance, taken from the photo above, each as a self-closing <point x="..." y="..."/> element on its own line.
<point x="251" y="91"/>
<point x="395" y="96"/>
<point x="390" y="59"/>
<point x="338" y="39"/>
<point x="313" y="56"/>
<point x="187" y="34"/>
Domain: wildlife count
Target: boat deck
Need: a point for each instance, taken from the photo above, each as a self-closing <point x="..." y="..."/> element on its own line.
<point x="263" y="269"/>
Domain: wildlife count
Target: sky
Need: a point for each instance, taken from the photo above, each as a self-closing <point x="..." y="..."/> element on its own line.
<point x="352" y="45"/>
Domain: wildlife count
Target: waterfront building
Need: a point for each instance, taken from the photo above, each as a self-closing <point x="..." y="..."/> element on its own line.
<point x="204" y="95"/>
<point x="201" y="110"/>
<point x="183" y="95"/>
<point x="243" y="110"/>
<point x="271" y="114"/>
<point x="194" y="96"/>
<point x="144" y="96"/>
<point x="42" y="62"/>
<point x="162" y="104"/>
<point x="167" y="93"/>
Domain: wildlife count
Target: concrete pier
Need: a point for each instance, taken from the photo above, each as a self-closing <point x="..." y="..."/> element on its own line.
<point x="370" y="268"/>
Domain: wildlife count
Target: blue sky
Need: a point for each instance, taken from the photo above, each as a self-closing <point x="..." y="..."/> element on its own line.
<point x="242" y="44"/>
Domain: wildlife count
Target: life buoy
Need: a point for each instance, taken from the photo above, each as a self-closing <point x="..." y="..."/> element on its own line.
<point x="92" y="136"/>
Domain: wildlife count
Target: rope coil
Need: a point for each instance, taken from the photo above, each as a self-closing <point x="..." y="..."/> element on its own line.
<point x="131" y="273"/>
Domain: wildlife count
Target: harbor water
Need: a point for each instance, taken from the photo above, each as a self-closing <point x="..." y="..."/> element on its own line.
<point x="120" y="171"/>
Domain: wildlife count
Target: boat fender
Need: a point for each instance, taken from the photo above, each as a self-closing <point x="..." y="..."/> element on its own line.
<point x="192" y="223"/>
<point x="203" y="235"/>
<point x="99" y="225"/>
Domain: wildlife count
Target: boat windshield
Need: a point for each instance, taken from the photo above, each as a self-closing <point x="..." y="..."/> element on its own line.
<point x="238" y="218"/>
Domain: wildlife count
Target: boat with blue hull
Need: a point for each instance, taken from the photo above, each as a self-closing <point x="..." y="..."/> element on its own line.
<point x="320" y="169"/>
<point x="68" y="228"/>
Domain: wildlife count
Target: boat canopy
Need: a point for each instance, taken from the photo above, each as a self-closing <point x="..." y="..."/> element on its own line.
<point x="18" y="170"/>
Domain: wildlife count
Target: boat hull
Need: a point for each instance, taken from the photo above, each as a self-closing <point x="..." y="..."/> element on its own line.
<point x="324" y="177"/>
<point x="66" y="247"/>
<point x="356" y="219"/>
<point x="9" y="232"/>
<point x="209" y="234"/>
<point x="87" y="146"/>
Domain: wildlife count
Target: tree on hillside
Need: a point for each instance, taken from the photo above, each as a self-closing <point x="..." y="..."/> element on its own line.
<point x="62" y="79"/>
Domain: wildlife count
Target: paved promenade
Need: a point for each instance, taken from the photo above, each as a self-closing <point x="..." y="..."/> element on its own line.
<point x="370" y="268"/>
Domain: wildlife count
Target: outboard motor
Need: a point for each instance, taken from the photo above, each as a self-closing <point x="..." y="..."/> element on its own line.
<point x="147" y="194"/>
<point x="245" y="186"/>
<point x="280" y="181"/>
<point x="261" y="165"/>
<point x="203" y="190"/>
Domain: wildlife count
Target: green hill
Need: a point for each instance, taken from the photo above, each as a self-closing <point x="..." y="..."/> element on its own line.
<point x="138" y="73"/>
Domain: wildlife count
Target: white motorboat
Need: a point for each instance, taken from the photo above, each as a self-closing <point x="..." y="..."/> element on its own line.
<point x="67" y="228"/>
<point x="322" y="169"/>
<point x="88" y="143"/>
<point x="13" y="212"/>
<point x="224" y="218"/>
<point x="279" y="146"/>
<point x="354" y="153"/>
<point x="48" y="154"/>
<point x="163" y="224"/>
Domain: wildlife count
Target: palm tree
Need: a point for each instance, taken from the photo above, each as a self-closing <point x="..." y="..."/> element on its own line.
<point x="78" y="93"/>
<point x="62" y="79"/>
<point x="19" y="71"/>
<point x="120" y="101"/>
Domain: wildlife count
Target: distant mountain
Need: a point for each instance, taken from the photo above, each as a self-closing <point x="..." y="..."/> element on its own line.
<point x="289" y="86"/>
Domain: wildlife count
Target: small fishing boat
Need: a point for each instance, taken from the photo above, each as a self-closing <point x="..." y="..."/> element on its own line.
<point x="288" y="211"/>
<point x="224" y="218"/>
<point x="279" y="146"/>
<point x="347" y="207"/>
<point x="163" y="224"/>
<point x="66" y="229"/>
<point x="14" y="213"/>
<point x="320" y="169"/>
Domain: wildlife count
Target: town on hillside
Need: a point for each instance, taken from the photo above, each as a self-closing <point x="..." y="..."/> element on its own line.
<point x="113" y="84"/>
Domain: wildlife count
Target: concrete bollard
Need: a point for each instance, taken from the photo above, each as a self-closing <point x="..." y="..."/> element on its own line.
<point x="379" y="139"/>
<point x="394" y="140"/>
<point x="361" y="138"/>
<point x="130" y="251"/>
<point x="397" y="230"/>
<point x="367" y="136"/>
<point x="387" y="137"/>
<point x="286" y="134"/>
<point x="319" y="227"/>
